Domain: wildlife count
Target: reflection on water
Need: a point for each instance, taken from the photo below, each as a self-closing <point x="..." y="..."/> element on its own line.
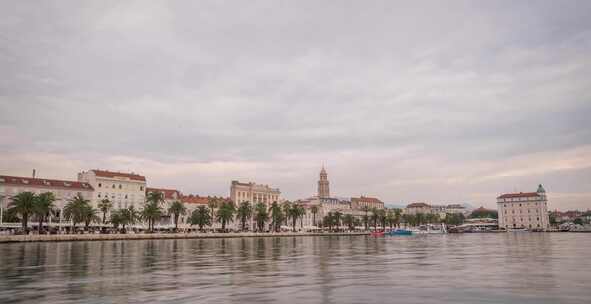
<point x="470" y="268"/>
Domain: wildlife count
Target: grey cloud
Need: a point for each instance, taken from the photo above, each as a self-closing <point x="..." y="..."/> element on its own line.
<point x="214" y="81"/>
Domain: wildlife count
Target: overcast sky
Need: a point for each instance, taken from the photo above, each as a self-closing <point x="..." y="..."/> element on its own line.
<point x="442" y="102"/>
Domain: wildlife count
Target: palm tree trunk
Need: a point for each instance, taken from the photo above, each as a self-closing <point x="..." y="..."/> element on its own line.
<point x="40" y="224"/>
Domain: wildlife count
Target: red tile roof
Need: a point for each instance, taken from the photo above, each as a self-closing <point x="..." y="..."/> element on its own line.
<point x="169" y="194"/>
<point x="110" y="174"/>
<point x="201" y="200"/>
<point x="520" y="194"/>
<point x="44" y="183"/>
<point x="365" y="199"/>
<point x="418" y="205"/>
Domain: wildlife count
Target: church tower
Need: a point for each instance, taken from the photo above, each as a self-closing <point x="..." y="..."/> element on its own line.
<point x="323" y="188"/>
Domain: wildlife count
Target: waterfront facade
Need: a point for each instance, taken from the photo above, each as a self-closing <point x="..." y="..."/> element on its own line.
<point x="169" y="196"/>
<point x="63" y="190"/>
<point x="524" y="210"/>
<point x="253" y="193"/>
<point x="122" y="189"/>
<point x="358" y="203"/>
<point x="416" y="208"/>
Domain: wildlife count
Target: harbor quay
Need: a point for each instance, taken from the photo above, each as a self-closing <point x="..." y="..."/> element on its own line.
<point x="162" y="236"/>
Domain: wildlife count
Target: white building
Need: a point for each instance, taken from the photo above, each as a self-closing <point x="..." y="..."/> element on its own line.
<point x="523" y="210"/>
<point x="169" y="196"/>
<point x="253" y="193"/>
<point x="122" y="189"/>
<point x="63" y="190"/>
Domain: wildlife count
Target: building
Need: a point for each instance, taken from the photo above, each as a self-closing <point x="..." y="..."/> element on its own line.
<point x="415" y="208"/>
<point x="524" y="210"/>
<point x="323" y="185"/>
<point x="443" y="210"/>
<point x="169" y="196"/>
<point x="253" y="193"/>
<point x="122" y="189"/>
<point x="358" y="203"/>
<point x="63" y="190"/>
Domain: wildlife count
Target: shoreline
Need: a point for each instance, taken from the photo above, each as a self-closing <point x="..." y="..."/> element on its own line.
<point x="158" y="236"/>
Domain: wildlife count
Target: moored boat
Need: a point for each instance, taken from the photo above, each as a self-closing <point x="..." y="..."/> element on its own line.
<point x="400" y="232"/>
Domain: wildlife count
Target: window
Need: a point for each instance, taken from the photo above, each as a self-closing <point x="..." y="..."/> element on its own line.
<point x="141" y="188"/>
<point x="125" y="195"/>
<point x="119" y="186"/>
<point x="100" y="185"/>
<point x="99" y="195"/>
<point x="113" y="186"/>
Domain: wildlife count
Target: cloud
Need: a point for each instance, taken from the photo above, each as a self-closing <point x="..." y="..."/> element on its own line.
<point x="429" y="101"/>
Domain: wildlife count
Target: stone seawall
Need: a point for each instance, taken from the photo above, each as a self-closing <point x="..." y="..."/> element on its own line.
<point x="158" y="236"/>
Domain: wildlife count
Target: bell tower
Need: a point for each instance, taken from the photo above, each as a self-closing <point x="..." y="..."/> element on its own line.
<point x="323" y="185"/>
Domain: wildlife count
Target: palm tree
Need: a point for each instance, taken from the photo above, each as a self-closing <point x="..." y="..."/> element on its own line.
<point x="276" y="216"/>
<point x="244" y="213"/>
<point x="116" y="218"/>
<point x="337" y="219"/>
<point x="151" y="213"/>
<point x="212" y="203"/>
<point x="75" y="210"/>
<point x="200" y="217"/>
<point x="374" y="218"/>
<point x="349" y="221"/>
<point x="261" y="216"/>
<point x="397" y="216"/>
<point x="365" y="217"/>
<point x="129" y="216"/>
<point x="328" y="221"/>
<point x="294" y="212"/>
<point x="89" y="215"/>
<point x="104" y="206"/>
<point x="24" y="205"/>
<point x="43" y="207"/>
<point x="314" y="210"/>
<point x="382" y="217"/>
<point x="177" y="209"/>
<point x="226" y="213"/>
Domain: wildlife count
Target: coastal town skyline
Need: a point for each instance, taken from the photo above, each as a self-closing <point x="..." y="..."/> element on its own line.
<point x="393" y="106"/>
<point x="322" y="194"/>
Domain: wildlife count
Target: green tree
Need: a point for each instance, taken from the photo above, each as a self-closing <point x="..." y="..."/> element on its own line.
<point x="337" y="219"/>
<point x="375" y="217"/>
<point x="23" y="204"/>
<point x="177" y="209"/>
<point x="349" y="221"/>
<point x="261" y="215"/>
<point x="226" y="213"/>
<point x="129" y="216"/>
<point x="43" y="207"/>
<point x="314" y="210"/>
<point x="76" y="209"/>
<point x="89" y="215"/>
<point x="152" y="210"/>
<point x="578" y="221"/>
<point x="484" y="213"/>
<point x="104" y="206"/>
<point x="116" y="219"/>
<point x="391" y="218"/>
<point x="365" y="217"/>
<point x="200" y="217"/>
<point x="276" y="216"/>
<point x="328" y="221"/>
<point x="244" y="213"/>
<point x="294" y="212"/>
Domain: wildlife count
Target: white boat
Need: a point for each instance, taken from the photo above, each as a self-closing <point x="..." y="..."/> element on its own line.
<point x="429" y="229"/>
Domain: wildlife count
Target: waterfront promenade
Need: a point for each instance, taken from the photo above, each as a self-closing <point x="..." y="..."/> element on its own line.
<point x="156" y="236"/>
